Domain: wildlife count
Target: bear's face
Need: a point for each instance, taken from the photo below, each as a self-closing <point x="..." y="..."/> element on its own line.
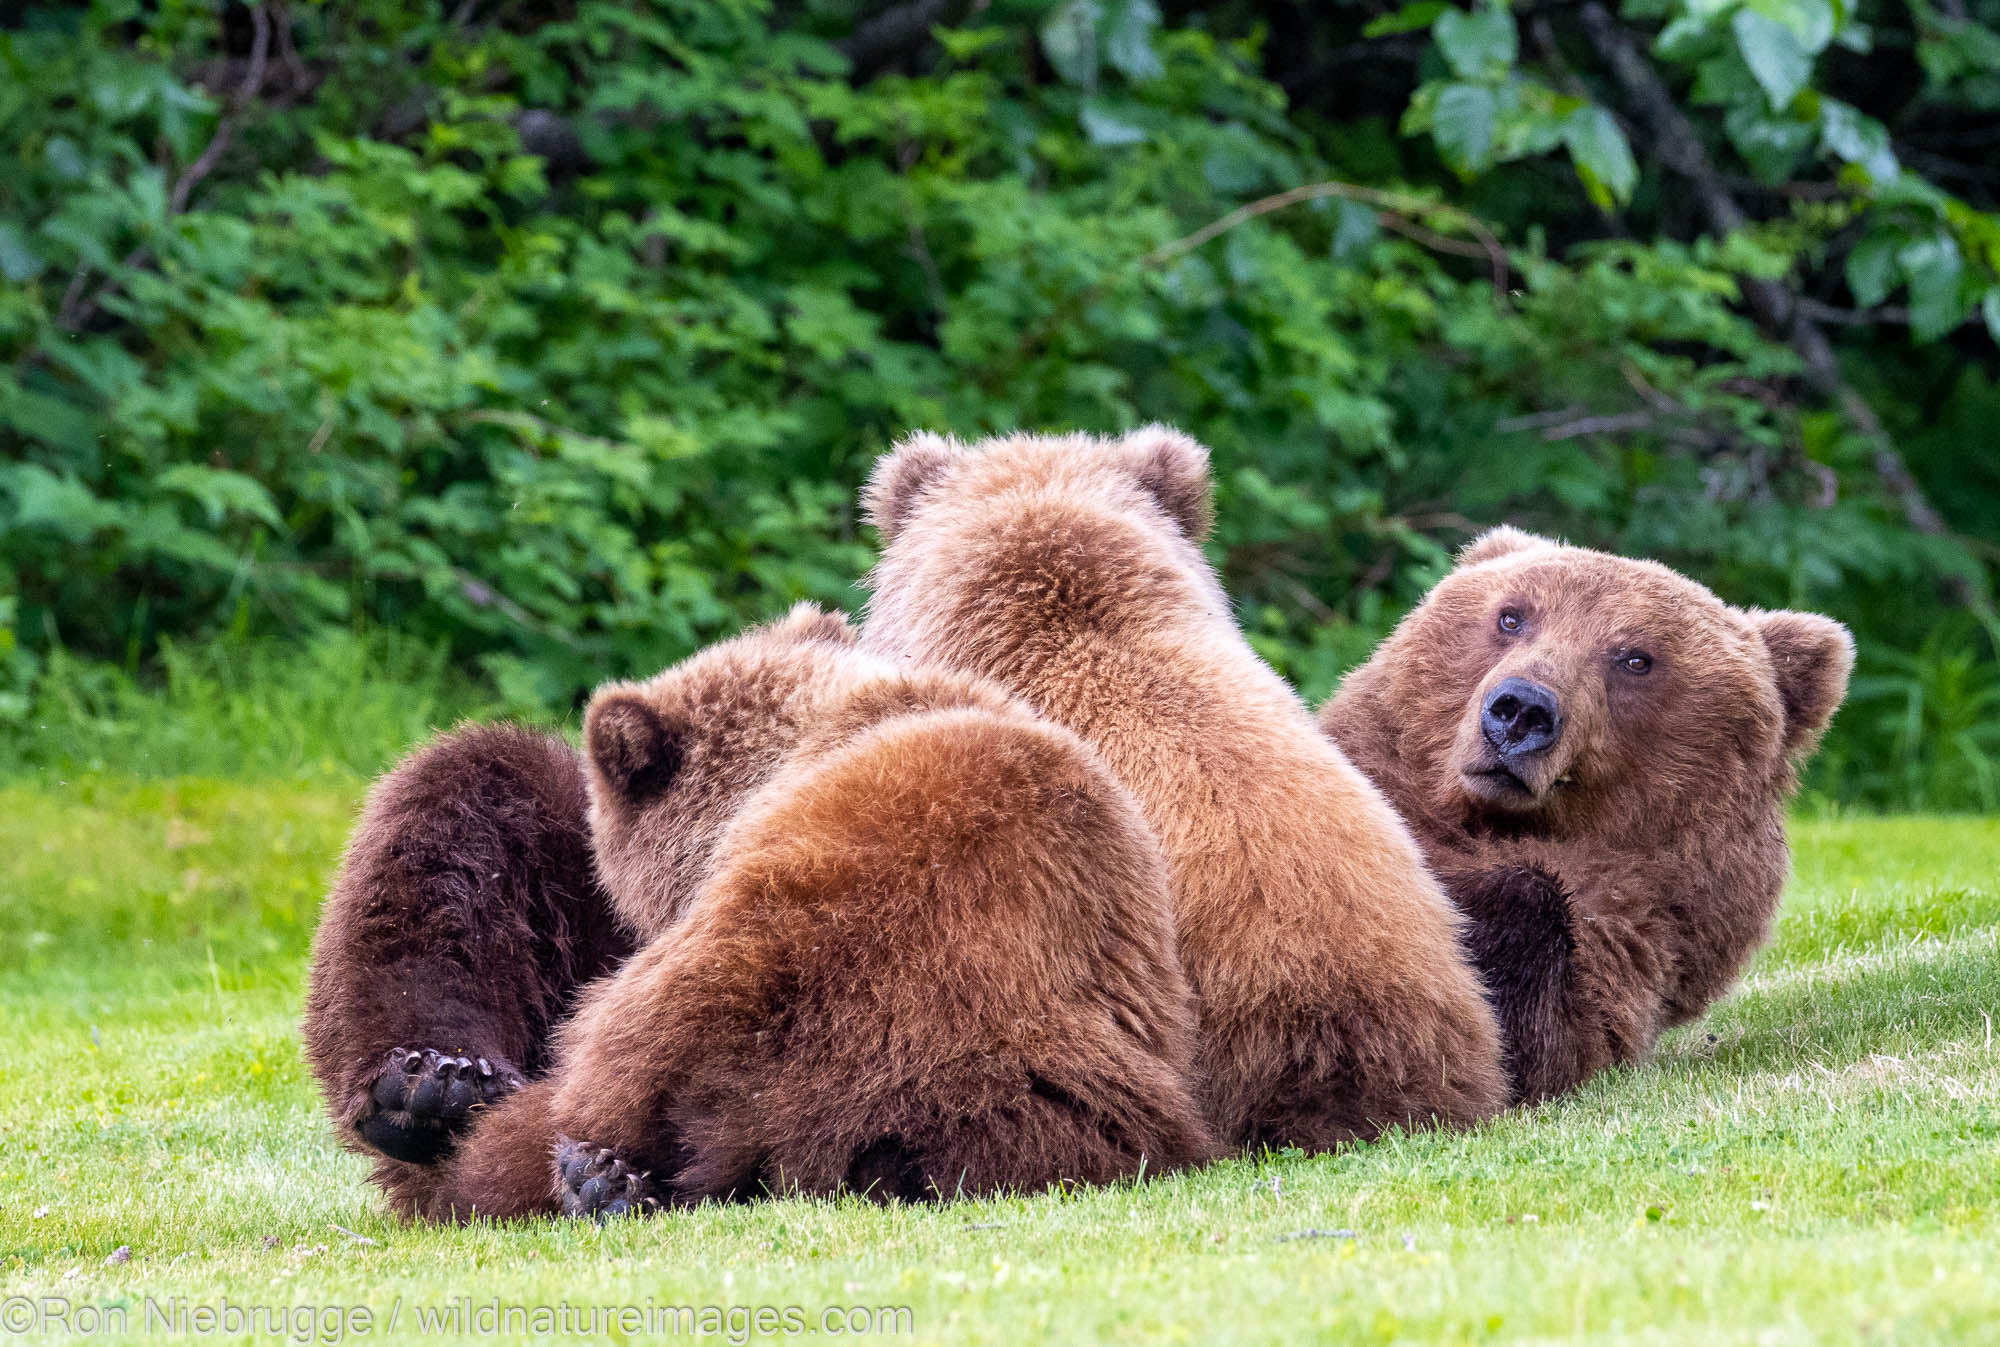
<point x="1567" y="690"/>
<point x="671" y="759"/>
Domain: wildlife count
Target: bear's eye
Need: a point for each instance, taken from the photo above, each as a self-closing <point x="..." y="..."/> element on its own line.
<point x="1635" y="661"/>
<point x="1511" y="620"/>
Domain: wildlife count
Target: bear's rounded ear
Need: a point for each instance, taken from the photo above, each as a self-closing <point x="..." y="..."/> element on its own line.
<point x="1811" y="657"/>
<point x="634" y="749"/>
<point x="1173" y="468"/>
<point x="810" y="622"/>
<point x="900" y="477"/>
<point x="1499" y="542"/>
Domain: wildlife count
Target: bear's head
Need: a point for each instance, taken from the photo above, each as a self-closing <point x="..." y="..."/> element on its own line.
<point x="1077" y="528"/>
<point x="1151" y="470"/>
<point x="671" y="759"/>
<point x="1562" y="691"/>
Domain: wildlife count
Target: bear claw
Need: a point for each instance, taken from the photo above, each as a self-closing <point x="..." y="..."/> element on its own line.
<point x="422" y="1099"/>
<point x="593" y="1181"/>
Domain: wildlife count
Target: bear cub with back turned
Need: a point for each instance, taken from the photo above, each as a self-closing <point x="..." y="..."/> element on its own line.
<point x="1334" y="995"/>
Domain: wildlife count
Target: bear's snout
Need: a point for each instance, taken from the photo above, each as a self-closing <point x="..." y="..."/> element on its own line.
<point x="1520" y="719"/>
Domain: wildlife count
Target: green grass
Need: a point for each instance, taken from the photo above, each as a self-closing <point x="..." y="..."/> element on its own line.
<point x="1818" y="1161"/>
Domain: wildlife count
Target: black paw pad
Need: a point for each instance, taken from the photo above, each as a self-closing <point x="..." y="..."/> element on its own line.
<point x="422" y="1099"/>
<point x="593" y="1181"/>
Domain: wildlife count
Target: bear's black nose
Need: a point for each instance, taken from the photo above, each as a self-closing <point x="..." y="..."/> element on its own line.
<point x="1521" y="718"/>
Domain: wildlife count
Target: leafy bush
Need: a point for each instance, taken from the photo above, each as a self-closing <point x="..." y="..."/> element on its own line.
<point x="557" y="338"/>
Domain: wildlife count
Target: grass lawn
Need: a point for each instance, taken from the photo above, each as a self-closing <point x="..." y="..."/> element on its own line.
<point x="1818" y="1161"/>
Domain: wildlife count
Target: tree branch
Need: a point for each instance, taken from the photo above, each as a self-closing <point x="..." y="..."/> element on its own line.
<point x="1395" y="206"/>
<point x="1680" y="149"/>
<point x="76" y="311"/>
<point x="1398" y="207"/>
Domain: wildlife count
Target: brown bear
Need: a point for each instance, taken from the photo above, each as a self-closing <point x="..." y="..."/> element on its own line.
<point x="930" y="954"/>
<point x="1595" y="754"/>
<point x="1335" y="998"/>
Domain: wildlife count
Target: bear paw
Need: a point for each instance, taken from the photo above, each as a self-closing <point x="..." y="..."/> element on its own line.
<point x="422" y="1099"/>
<point x="593" y="1181"/>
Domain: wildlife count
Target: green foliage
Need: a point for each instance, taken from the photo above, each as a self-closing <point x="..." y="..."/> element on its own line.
<point x="556" y="340"/>
<point x="1933" y="718"/>
<point x="335" y="708"/>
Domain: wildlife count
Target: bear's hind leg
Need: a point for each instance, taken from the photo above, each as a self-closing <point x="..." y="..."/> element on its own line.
<point x="466" y="917"/>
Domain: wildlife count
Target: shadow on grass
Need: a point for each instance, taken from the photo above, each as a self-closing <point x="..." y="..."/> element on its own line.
<point x="1911" y="996"/>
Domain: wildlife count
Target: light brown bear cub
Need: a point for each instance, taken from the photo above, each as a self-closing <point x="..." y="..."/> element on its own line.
<point x="1335" y="999"/>
<point x="931" y="952"/>
<point x="1595" y="754"/>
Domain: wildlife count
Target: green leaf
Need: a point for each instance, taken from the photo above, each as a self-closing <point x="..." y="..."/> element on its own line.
<point x="1462" y="124"/>
<point x="1106" y="128"/>
<point x="60" y="504"/>
<point x="1774" y="54"/>
<point x="1408" y="19"/>
<point x="1723" y="80"/>
<point x="1937" y="300"/>
<point x="1069" y="41"/>
<point x="1771" y="145"/>
<point x="18" y="262"/>
<point x="1356" y="227"/>
<point x="1859" y="139"/>
<point x="1603" y="159"/>
<point x="1989" y="309"/>
<point x="1475" y="44"/>
<point x="1127" y="39"/>
<point x="65" y="160"/>
<point x="1811" y="21"/>
<point x="1871" y="267"/>
<point x="221" y="492"/>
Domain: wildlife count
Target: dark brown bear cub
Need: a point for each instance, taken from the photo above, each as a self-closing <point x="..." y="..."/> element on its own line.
<point x="1595" y="754"/>
<point x="931" y="954"/>
<point x="1335" y="998"/>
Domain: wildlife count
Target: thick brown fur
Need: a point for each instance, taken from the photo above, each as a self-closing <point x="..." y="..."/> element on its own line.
<point x="1335" y="998"/>
<point x="464" y="921"/>
<point x="931" y="954"/>
<point x="1617" y="882"/>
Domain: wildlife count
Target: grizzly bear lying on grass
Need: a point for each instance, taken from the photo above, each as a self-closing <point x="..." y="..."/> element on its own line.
<point x="1595" y="754"/>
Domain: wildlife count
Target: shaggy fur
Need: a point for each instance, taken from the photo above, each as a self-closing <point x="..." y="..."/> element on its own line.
<point x="932" y="953"/>
<point x="1618" y="878"/>
<point x="1335" y="999"/>
<point x="464" y="921"/>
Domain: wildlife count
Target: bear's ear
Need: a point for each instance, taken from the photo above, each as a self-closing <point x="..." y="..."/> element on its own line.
<point x="900" y="476"/>
<point x="1811" y="656"/>
<point x="810" y="622"/>
<point x="632" y="746"/>
<point x="1173" y="469"/>
<point x="1499" y="542"/>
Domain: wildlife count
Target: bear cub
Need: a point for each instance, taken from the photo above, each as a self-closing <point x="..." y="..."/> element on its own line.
<point x="1595" y="753"/>
<point x="1335" y="999"/>
<point x="930" y="953"/>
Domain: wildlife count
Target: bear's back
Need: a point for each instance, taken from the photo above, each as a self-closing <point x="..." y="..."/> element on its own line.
<point x="1116" y="628"/>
